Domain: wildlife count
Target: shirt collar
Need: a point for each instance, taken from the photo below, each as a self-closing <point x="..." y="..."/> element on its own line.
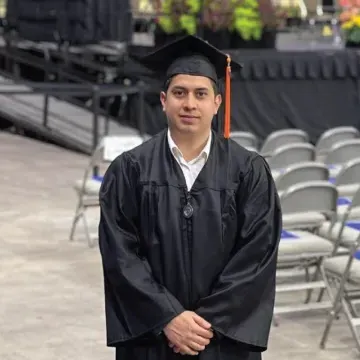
<point x="176" y="151"/>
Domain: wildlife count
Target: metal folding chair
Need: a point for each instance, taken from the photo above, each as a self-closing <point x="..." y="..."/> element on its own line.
<point x="338" y="232"/>
<point x="283" y="137"/>
<point x="342" y="276"/>
<point x="348" y="179"/>
<point x="290" y="154"/>
<point x="305" y="207"/>
<point x="330" y="137"/>
<point x="343" y="151"/>
<point x="87" y="188"/>
<point x="245" y="139"/>
<point x="301" y="172"/>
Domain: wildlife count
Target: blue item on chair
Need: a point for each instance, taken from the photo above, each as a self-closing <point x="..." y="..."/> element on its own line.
<point x="357" y="255"/>
<point x="287" y="235"/>
<point x="98" y="178"/>
<point x="343" y="201"/>
<point x="353" y="224"/>
<point x="332" y="180"/>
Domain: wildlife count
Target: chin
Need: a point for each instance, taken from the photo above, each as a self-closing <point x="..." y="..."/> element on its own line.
<point x="191" y="129"/>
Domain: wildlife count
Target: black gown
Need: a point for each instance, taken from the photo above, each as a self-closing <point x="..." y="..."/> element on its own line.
<point x="220" y="263"/>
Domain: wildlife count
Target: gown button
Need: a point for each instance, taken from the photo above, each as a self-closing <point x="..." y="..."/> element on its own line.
<point x="188" y="211"/>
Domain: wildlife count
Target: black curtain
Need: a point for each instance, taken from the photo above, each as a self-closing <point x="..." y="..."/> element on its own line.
<point x="310" y="91"/>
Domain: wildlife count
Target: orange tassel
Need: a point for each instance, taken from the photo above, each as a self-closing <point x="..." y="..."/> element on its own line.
<point x="227" y="98"/>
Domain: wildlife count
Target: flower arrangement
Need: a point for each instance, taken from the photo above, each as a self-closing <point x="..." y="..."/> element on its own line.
<point x="350" y="20"/>
<point x="217" y="14"/>
<point x="179" y="16"/>
<point x="268" y="14"/>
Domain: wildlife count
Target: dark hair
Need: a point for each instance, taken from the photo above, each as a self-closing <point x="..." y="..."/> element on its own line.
<point x="168" y="82"/>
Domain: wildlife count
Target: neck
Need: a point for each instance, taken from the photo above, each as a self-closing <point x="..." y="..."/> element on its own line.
<point x="189" y="145"/>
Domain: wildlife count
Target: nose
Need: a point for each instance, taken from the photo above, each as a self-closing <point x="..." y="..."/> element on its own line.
<point x="190" y="102"/>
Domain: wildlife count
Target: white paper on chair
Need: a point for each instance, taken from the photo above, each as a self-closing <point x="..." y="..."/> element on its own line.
<point x="116" y="145"/>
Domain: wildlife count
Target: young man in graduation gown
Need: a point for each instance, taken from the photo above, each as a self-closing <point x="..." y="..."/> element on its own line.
<point x="189" y="229"/>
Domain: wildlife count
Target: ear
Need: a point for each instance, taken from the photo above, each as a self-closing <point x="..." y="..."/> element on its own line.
<point x="163" y="100"/>
<point x="218" y="101"/>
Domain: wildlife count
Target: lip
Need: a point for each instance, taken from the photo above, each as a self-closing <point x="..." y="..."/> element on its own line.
<point x="189" y="117"/>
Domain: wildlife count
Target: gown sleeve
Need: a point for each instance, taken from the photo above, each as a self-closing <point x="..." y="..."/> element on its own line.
<point x="241" y="303"/>
<point x="135" y="303"/>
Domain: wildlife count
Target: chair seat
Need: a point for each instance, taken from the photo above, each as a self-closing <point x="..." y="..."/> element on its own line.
<point x="92" y="187"/>
<point x="334" y="170"/>
<point x="300" y="220"/>
<point x="348" y="190"/>
<point x="337" y="265"/>
<point x="348" y="237"/>
<point x="354" y="214"/>
<point x="303" y="244"/>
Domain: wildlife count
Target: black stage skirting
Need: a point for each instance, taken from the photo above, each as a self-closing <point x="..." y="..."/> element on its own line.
<point x="313" y="91"/>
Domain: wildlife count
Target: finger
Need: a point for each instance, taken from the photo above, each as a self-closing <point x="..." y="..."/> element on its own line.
<point x="200" y="340"/>
<point x="188" y="351"/>
<point x="198" y="330"/>
<point x="171" y="345"/>
<point x="196" y="346"/>
<point x="202" y="322"/>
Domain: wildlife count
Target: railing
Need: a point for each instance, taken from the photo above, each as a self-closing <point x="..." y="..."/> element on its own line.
<point x="96" y="92"/>
<point x="13" y="58"/>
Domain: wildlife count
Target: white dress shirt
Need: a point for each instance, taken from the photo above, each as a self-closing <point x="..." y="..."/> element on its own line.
<point x="190" y="169"/>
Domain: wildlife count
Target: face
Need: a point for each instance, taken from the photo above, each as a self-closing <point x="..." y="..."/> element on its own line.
<point x="190" y="104"/>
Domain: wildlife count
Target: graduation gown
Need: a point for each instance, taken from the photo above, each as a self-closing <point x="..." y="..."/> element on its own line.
<point x="220" y="262"/>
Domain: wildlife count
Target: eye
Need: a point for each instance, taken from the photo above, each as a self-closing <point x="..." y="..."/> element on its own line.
<point x="201" y="94"/>
<point x="178" y="93"/>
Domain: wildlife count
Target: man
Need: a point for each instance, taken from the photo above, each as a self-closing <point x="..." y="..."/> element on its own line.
<point x="189" y="229"/>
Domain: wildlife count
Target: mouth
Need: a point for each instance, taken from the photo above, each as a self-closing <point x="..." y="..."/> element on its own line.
<point x="188" y="117"/>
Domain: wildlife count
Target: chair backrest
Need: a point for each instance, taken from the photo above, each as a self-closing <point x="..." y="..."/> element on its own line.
<point x="112" y="146"/>
<point x="315" y="196"/>
<point x="283" y="137"/>
<point x="343" y="151"/>
<point x="349" y="173"/>
<point x="302" y="172"/>
<point x="245" y="139"/>
<point x="353" y="206"/>
<point x="291" y="154"/>
<point x="332" y="136"/>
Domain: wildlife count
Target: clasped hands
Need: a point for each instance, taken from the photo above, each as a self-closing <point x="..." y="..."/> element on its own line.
<point x="188" y="333"/>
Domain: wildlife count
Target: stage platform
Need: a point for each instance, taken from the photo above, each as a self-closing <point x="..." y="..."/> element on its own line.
<point x="67" y="124"/>
<point x="52" y="304"/>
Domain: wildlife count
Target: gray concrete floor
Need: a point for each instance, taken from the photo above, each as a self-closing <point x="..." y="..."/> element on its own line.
<point x="51" y="297"/>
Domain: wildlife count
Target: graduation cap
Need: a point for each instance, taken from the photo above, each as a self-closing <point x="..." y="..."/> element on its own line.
<point x="190" y="55"/>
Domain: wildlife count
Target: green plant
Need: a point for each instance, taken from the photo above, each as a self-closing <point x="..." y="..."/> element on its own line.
<point x="179" y="15"/>
<point x="246" y="19"/>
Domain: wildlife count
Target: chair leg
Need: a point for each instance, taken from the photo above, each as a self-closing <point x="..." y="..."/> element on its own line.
<point x="347" y="311"/>
<point x="314" y="278"/>
<point x="337" y="301"/>
<point x="275" y="321"/>
<point x="332" y="316"/>
<point x="87" y="232"/>
<point x="333" y="312"/>
<point x="79" y="212"/>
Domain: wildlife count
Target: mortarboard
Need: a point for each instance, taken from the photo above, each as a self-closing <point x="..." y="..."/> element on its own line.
<point x="191" y="55"/>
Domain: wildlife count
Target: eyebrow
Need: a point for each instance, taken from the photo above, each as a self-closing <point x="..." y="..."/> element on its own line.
<point x="179" y="87"/>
